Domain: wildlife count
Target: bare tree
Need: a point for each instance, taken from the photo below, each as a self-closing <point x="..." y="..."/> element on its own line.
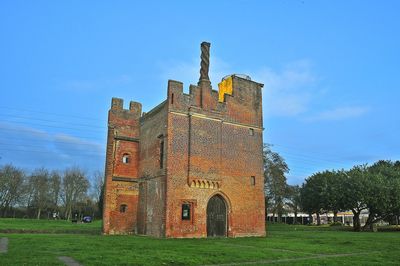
<point x="55" y="190"/>
<point x="74" y="188"/>
<point x="98" y="182"/>
<point x="11" y="186"/>
<point x="40" y="187"/>
<point x="98" y="190"/>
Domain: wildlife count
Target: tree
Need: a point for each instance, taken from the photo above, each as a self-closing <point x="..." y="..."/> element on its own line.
<point x="354" y="191"/>
<point x="322" y="192"/>
<point x="74" y="188"/>
<point x="313" y="195"/>
<point x="334" y="200"/>
<point x="275" y="169"/>
<point x="11" y="187"/>
<point x="382" y="196"/>
<point x="39" y="181"/>
<point x="98" y="190"/>
<point x="100" y="203"/>
<point x="294" y="200"/>
<point x="54" y="190"/>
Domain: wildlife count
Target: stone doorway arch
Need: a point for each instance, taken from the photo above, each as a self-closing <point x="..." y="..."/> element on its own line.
<point x="217" y="217"/>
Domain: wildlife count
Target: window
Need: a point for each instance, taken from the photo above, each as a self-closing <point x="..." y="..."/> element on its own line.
<point x="162" y="154"/>
<point x="125" y="158"/>
<point x="172" y="98"/>
<point x="253" y="180"/>
<point x="123" y="208"/>
<point x="186" y="211"/>
<point x="251" y="131"/>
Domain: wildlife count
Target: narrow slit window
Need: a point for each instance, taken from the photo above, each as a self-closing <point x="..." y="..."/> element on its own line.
<point x="172" y="98"/>
<point x="162" y="154"/>
<point x="253" y="180"/>
<point x="123" y="208"/>
<point x="125" y="158"/>
<point x="251" y="131"/>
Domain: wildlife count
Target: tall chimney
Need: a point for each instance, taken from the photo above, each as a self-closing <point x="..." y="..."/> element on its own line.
<point x="204" y="81"/>
<point x="205" y="62"/>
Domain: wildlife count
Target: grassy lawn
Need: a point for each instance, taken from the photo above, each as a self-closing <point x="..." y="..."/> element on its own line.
<point x="285" y="245"/>
<point x="9" y="225"/>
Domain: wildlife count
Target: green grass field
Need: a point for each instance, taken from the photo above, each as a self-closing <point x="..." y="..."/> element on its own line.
<point x="285" y="245"/>
<point x="9" y="225"/>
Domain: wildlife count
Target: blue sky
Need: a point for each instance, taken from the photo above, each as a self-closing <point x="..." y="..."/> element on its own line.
<point x="330" y="70"/>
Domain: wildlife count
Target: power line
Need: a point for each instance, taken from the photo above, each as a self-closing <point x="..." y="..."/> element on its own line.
<point x="47" y="120"/>
<point x="19" y="130"/>
<point x="41" y="146"/>
<point x="55" y="114"/>
<point x="54" y="126"/>
<point x="50" y="152"/>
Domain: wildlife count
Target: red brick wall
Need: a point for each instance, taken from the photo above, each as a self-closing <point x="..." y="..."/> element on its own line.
<point x="214" y="148"/>
<point x="121" y="180"/>
<point x="208" y="150"/>
<point x="152" y="190"/>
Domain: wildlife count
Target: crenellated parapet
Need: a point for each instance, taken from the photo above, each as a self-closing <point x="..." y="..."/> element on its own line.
<point x="238" y="100"/>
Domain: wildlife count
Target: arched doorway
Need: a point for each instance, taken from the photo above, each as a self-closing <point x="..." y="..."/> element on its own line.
<point x="216" y="216"/>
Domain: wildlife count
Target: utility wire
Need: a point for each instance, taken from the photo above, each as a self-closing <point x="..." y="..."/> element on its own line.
<point x="54" y="114"/>
<point x="46" y="120"/>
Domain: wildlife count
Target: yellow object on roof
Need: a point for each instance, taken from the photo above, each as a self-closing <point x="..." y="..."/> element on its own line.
<point x="225" y="87"/>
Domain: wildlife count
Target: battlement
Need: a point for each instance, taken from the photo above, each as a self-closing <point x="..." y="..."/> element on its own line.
<point x="118" y="117"/>
<point x="118" y="105"/>
<point x="237" y="100"/>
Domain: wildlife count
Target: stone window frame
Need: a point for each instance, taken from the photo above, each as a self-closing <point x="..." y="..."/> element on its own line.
<point x="186" y="207"/>
<point x="192" y="203"/>
<point x="123" y="208"/>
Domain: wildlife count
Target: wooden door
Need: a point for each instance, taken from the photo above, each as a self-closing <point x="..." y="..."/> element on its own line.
<point x="216" y="217"/>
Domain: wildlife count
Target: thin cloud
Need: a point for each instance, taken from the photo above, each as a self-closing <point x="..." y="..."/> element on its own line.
<point x="30" y="147"/>
<point x="339" y="113"/>
<point x="69" y="145"/>
<point x="14" y="129"/>
<point x="288" y="92"/>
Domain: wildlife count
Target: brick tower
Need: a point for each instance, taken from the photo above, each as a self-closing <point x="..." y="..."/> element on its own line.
<point x="190" y="167"/>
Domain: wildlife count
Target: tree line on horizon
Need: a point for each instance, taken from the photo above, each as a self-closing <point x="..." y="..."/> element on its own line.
<point x="375" y="188"/>
<point x="68" y="194"/>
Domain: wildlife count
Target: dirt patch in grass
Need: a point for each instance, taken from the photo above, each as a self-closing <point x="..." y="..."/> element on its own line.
<point x="3" y="245"/>
<point x="69" y="261"/>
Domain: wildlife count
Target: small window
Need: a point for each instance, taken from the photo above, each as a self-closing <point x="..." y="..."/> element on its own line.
<point x="186" y="211"/>
<point x="251" y="131"/>
<point x="253" y="180"/>
<point x="162" y="154"/>
<point x="125" y="158"/>
<point x="172" y="98"/>
<point x="123" y="208"/>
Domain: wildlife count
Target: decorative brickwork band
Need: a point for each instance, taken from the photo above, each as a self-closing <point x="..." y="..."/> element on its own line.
<point x="205" y="61"/>
<point x="201" y="183"/>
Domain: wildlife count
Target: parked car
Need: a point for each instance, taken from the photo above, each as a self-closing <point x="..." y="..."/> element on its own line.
<point x="87" y="219"/>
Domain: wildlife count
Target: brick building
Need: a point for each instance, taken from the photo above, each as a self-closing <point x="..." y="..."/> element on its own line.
<point x="190" y="167"/>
